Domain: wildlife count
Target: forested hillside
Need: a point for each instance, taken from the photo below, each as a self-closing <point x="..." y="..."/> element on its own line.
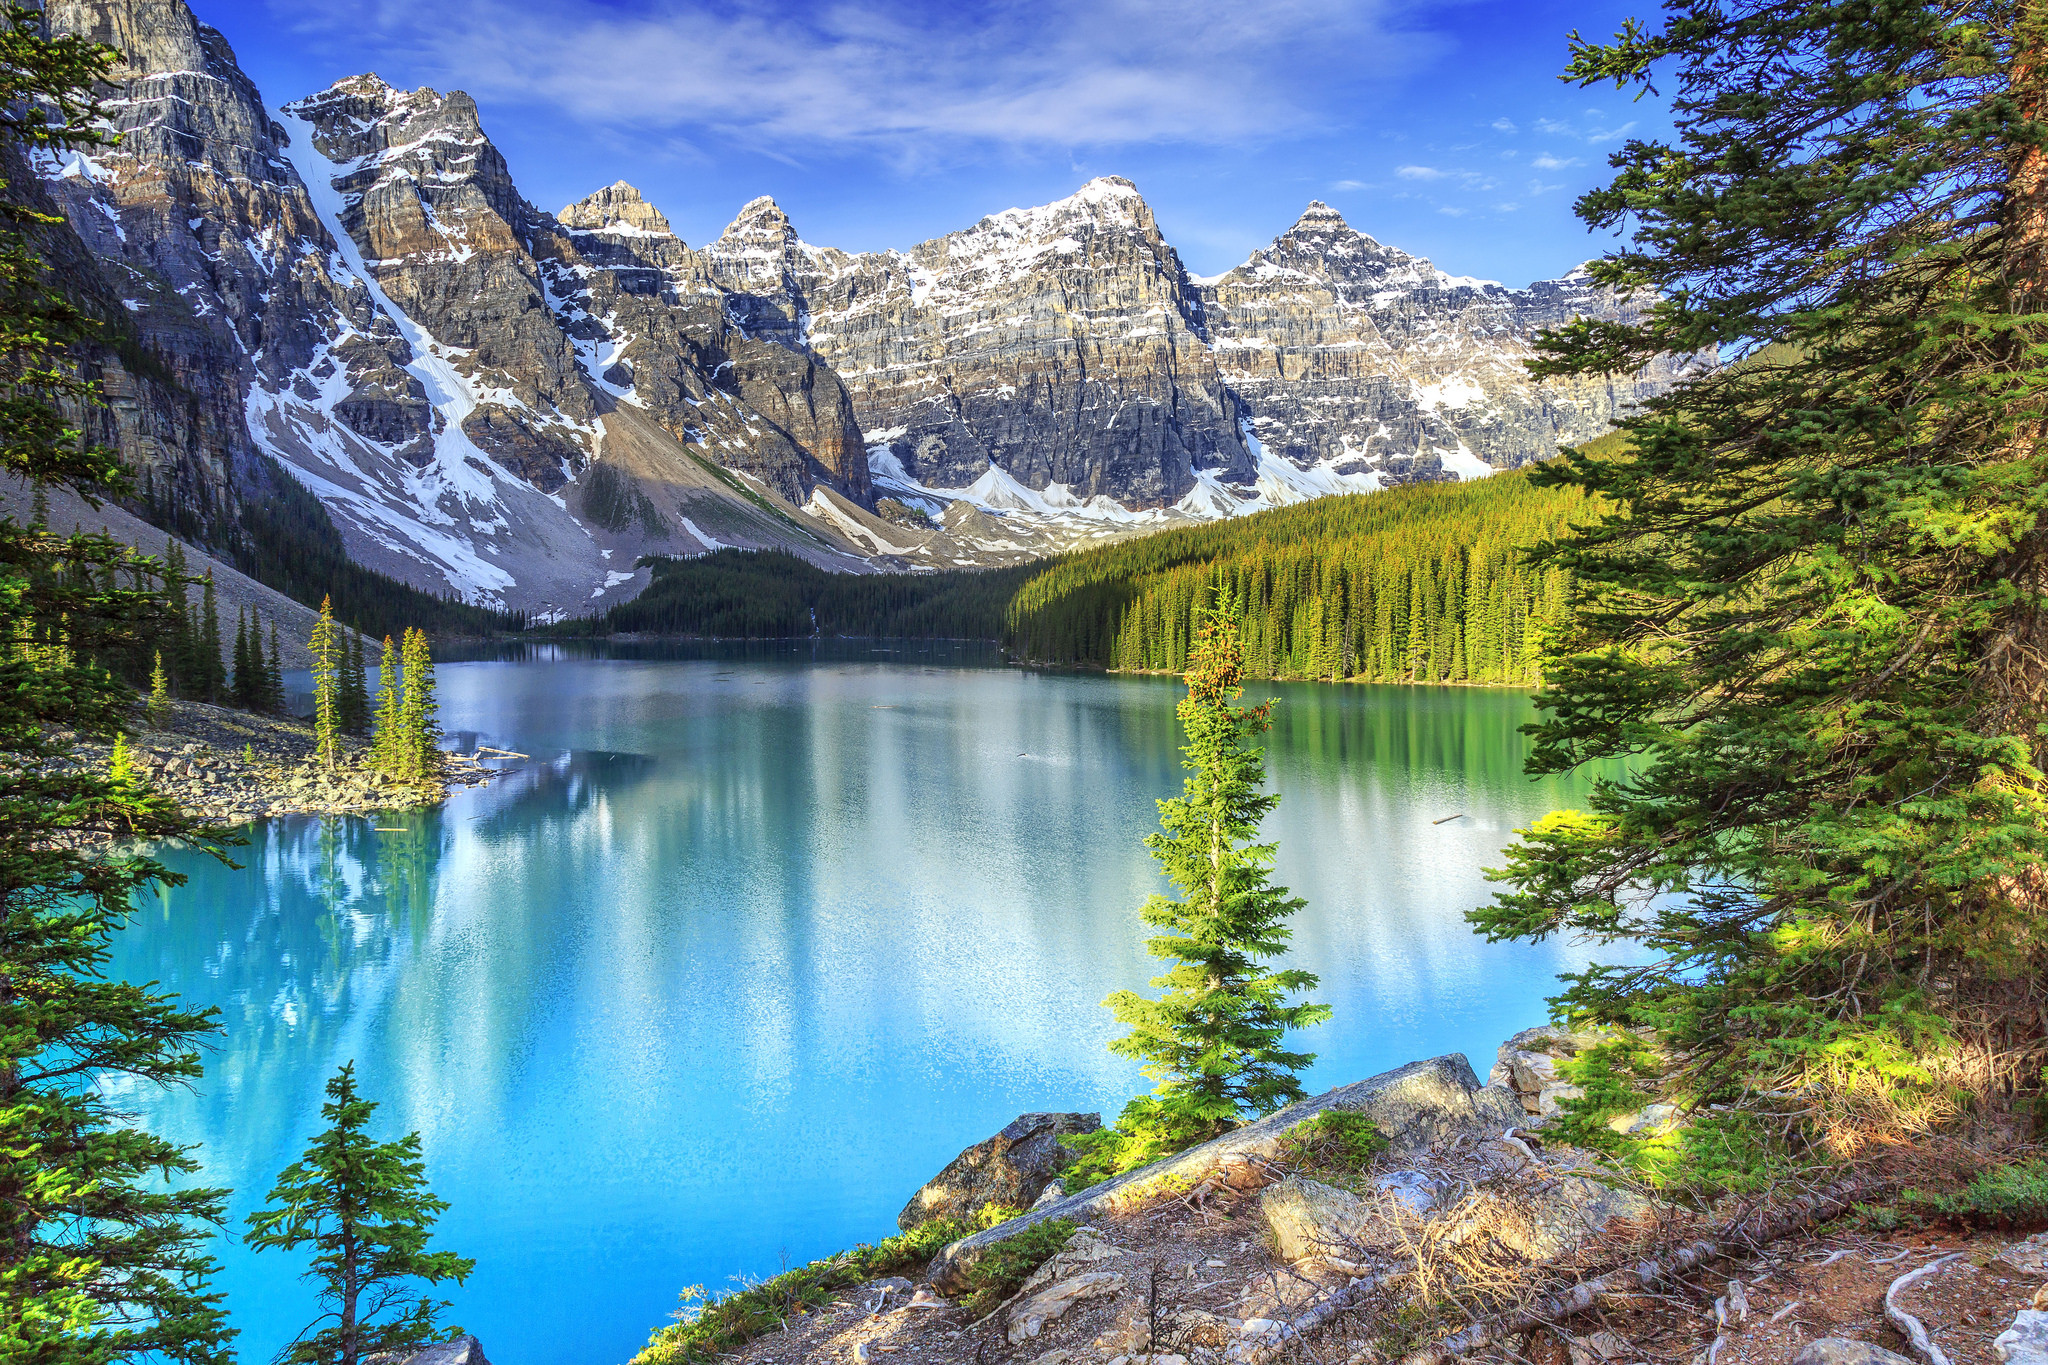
<point x="1417" y="584"/>
<point x="770" y="595"/>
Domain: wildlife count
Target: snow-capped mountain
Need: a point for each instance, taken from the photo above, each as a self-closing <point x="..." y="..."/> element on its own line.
<point x="350" y="293"/>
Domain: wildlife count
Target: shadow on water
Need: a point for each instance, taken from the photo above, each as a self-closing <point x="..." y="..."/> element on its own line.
<point x="759" y="936"/>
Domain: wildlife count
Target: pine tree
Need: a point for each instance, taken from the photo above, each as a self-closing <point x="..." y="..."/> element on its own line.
<point x="214" y="674"/>
<point x="184" y="639"/>
<point x="159" y="708"/>
<point x="1812" y="617"/>
<point x="418" y="728"/>
<point x="243" y="693"/>
<point x="327" y="653"/>
<point x="39" y="509"/>
<point x="273" y="675"/>
<point x="365" y="1211"/>
<point x="387" y="745"/>
<point x="102" y="1236"/>
<point x="1214" y="1041"/>
<point x="355" y="694"/>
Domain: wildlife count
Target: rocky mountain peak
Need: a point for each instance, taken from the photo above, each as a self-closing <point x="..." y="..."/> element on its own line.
<point x="151" y="35"/>
<point x="616" y="206"/>
<point x="1323" y="247"/>
<point x="760" y="220"/>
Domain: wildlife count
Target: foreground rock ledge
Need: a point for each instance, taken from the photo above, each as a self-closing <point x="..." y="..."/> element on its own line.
<point x="1415" y="1106"/>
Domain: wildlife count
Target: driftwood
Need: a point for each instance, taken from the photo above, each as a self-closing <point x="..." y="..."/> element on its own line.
<point x="1910" y="1327"/>
<point x="1751" y="1230"/>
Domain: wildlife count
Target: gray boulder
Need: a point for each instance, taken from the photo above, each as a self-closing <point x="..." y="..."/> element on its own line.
<point x="2029" y="1257"/>
<point x="2026" y="1341"/>
<point x="1012" y="1168"/>
<point x="1842" y="1351"/>
<point x="1309" y="1218"/>
<point x="463" y="1350"/>
<point x="1416" y="1106"/>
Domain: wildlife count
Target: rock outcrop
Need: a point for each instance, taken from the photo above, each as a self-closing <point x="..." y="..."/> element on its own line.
<point x="1359" y="359"/>
<point x="1010" y="1169"/>
<point x="1416" y="1107"/>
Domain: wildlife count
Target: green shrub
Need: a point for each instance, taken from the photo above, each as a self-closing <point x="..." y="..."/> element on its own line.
<point x="2001" y="1196"/>
<point x="1146" y="1131"/>
<point x="1335" y="1140"/>
<point x="1007" y="1264"/>
<point x="709" y="1327"/>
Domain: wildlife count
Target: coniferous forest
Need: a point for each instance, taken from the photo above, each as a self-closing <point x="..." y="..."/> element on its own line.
<point x="1426" y="583"/>
<point x="1419" y="584"/>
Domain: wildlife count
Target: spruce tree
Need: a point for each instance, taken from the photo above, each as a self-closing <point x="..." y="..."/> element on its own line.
<point x="184" y="639"/>
<point x="327" y="668"/>
<point x="364" y="1210"/>
<point x="243" y="689"/>
<point x="1811" y="619"/>
<point x="273" y="675"/>
<point x="387" y="748"/>
<point x="419" y="729"/>
<point x="213" y="673"/>
<point x="1215" y="1039"/>
<point x="102" y="1236"/>
<point x="355" y="693"/>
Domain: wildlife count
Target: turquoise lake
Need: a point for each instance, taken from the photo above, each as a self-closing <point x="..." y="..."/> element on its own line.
<point x="757" y="939"/>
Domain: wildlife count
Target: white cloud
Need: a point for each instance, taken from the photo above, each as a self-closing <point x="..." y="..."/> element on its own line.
<point x="1553" y="127"/>
<point x="1504" y="125"/>
<point x="1600" y="135"/>
<point x="1547" y="162"/>
<point x="906" y="81"/>
<point x="1348" y="185"/>
<point x="1450" y="211"/>
<point x="1420" y="173"/>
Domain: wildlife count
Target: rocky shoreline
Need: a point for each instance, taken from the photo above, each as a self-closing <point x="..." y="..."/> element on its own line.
<point x="1279" y="1244"/>
<point x="232" y="766"/>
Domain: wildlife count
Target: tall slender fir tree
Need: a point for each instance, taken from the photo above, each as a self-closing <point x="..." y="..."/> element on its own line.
<point x="387" y="748"/>
<point x="355" y="693"/>
<point x="213" y="673"/>
<point x="242" y="690"/>
<point x="1215" y="1039"/>
<point x="418" y="722"/>
<point x="273" y="675"/>
<point x="328" y="656"/>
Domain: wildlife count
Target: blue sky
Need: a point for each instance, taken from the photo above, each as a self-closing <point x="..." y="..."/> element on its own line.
<point x="1437" y="127"/>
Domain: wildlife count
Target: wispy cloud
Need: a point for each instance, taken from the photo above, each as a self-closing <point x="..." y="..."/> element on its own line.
<point x="1504" y="125"/>
<point x="904" y="80"/>
<point x="1420" y="173"/>
<point x="1348" y="185"/>
<point x="1547" y="162"/>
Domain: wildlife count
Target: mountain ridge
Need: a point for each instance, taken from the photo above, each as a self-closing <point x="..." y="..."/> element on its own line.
<point x="350" y="291"/>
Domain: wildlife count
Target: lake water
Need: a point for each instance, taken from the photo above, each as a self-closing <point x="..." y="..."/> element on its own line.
<point x="756" y="940"/>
